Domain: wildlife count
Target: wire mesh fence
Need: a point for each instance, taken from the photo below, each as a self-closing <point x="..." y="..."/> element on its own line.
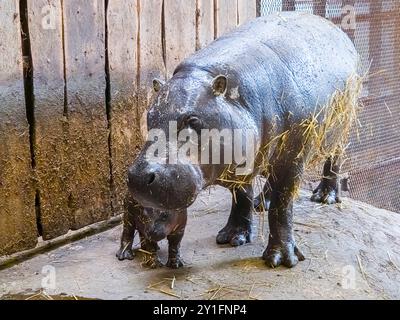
<point x="373" y="154"/>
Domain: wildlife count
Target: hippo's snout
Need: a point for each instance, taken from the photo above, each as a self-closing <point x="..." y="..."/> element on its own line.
<point x="164" y="186"/>
<point x="136" y="176"/>
<point x="156" y="235"/>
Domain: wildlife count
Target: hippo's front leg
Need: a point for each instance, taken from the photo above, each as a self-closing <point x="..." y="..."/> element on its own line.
<point x="238" y="229"/>
<point x="282" y="248"/>
<point x="284" y="182"/>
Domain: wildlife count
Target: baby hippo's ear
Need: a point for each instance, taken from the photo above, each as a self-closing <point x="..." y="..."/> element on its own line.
<point x="219" y="85"/>
<point x="157" y="84"/>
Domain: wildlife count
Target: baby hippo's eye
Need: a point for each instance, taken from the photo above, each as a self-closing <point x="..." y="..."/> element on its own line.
<point x="164" y="216"/>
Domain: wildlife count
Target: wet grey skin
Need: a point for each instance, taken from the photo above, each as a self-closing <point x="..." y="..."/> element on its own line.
<point x="266" y="76"/>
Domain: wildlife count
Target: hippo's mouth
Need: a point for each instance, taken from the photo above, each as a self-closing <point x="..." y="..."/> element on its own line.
<point x="165" y="200"/>
<point x="155" y="237"/>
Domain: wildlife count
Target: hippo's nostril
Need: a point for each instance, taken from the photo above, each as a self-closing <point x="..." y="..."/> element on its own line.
<point x="152" y="177"/>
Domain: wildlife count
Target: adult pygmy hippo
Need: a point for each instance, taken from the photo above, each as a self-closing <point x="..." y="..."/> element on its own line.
<point x="153" y="226"/>
<point x="269" y="77"/>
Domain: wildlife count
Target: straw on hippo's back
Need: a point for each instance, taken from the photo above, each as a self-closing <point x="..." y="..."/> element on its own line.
<point x="269" y="77"/>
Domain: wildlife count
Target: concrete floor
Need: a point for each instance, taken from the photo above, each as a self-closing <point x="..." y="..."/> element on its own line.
<point x="352" y="251"/>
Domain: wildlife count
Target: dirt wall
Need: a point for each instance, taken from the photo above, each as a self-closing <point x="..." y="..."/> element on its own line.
<point x="70" y="114"/>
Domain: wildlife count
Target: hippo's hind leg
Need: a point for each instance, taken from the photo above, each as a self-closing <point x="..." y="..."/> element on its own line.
<point x="262" y="201"/>
<point x="131" y="207"/>
<point x="238" y="229"/>
<point x="328" y="191"/>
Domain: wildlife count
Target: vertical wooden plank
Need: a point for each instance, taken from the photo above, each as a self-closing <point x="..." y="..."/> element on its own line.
<point x="247" y="10"/>
<point x="180" y="32"/>
<point x="89" y="172"/>
<point x="17" y="204"/>
<point x="151" y="57"/>
<point x="122" y="18"/>
<point x="205" y="23"/>
<point x="45" y="26"/>
<point x="225" y="16"/>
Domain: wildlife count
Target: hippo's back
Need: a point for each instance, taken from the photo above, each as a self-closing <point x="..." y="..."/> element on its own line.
<point x="294" y="52"/>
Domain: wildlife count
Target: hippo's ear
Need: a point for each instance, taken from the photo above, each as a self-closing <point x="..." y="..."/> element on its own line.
<point x="219" y="85"/>
<point x="157" y="84"/>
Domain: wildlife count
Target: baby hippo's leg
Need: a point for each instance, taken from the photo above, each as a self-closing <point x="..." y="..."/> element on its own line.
<point x="125" y="251"/>
<point x="150" y="248"/>
<point x="174" y="243"/>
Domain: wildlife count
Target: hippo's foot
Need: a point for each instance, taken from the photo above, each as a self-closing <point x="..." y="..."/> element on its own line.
<point x="235" y="236"/>
<point x="125" y="253"/>
<point x="261" y="204"/>
<point x="287" y="254"/>
<point x="174" y="263"/>
<point x="325" y="195"/>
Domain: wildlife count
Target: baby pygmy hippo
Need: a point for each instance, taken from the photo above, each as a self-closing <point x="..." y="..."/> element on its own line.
<point x="153" y="226"/>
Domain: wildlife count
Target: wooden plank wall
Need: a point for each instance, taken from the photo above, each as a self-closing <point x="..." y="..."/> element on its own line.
<point x="204" y="23"/>
<point x="151" y="53"/>
<point x="225" y="16"/>
<point x="51" y="149"/>
<point x="88" y="171"/>
<point x="92" y="63"/>
<point x="180" y="32"/>
<point x="122" y="50"/>
<point x="17" y="198"/>
<point x="247" y="10"/>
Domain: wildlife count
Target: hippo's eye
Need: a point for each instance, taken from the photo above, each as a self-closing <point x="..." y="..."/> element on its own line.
<point x="164" y="216"/>
<point x="194" y="122"/>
